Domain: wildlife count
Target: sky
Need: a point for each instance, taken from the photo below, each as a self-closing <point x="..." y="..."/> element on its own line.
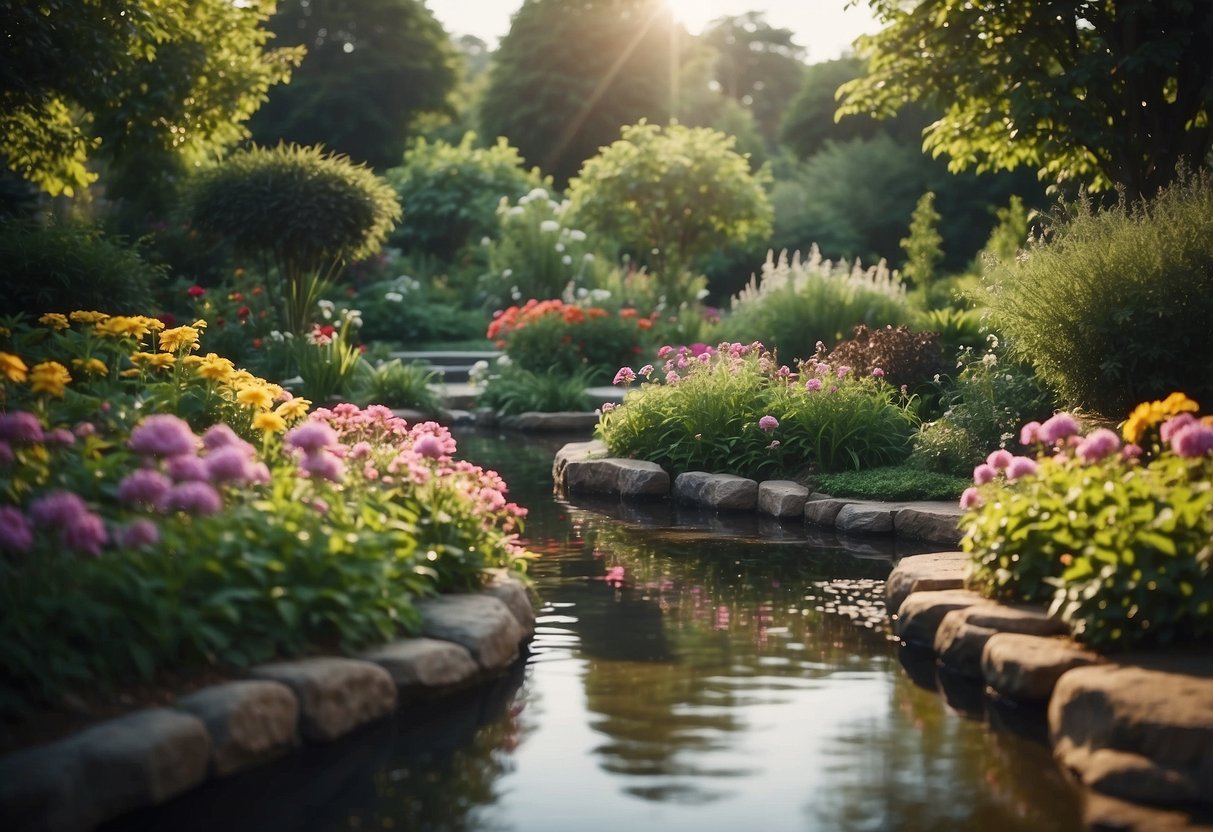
<point x="825" y="27"/>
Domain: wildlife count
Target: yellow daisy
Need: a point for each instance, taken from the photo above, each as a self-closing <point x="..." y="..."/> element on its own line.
<point x="154" y="360"/>
<point x="91" y="366"/>
<point x="49" y="377"/>
<point x="294" y="409"/>
<point x="12" y="367"/>
<point x="55" y="320"/>
<point x="256" y="397"/>
<point x="83" y="317"/>
<point x="179" y="338"/>
<point x="269" y="422"/>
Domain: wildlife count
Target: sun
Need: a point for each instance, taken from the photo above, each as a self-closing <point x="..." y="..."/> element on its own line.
<point x="693" y="14"/>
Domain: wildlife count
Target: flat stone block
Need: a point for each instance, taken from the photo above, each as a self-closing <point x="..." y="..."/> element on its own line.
<point x="923" y="573"/>
<point x="335" y="695"/>
<point x="553" y="422"/>
<point x="689" y="486"/>
<point x="423" y="666"/>
<point x="512" y="592"/>
<point x="482" y="624"/>
<point x="823" y="512"/>
<point x="782" y="498"/>
<point x="865" y="518"/>
<point x="575" y="451"/>
<point x="959" y="644"/>
<point x="937" y="524"/>
<point x="1137" y="733"/>
<point x="1027" y="667"/>
<point x="726" y="492"/>
<point x="249" y="722"/>
<point x="610" y="475"/>
<point x="920" y="615"/>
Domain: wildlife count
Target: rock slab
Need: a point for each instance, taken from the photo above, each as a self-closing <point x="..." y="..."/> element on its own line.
<point x="550" y="422"/>
<point x="920" y="615"/>
<point x="865" y="518"/>
<point x="424" y="666"/>
<point x="629" y="478"/>
<point x="1026" y="668"/>
<point x="248" y="721"/>
<point x="963" y="633"/>
<point x="937" y="524"/>
<point x="513" y="593"/>
<point x="924" y="573"/>
<point x="336" y="695"/>
<point x="719" y="492"/>
<point x="822" y="511"/>
<point x="482" y="624"/>
<point x="782" y="498"/>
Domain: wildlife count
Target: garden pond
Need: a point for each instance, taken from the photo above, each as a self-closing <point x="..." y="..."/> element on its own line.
<point x="688" y="672"/>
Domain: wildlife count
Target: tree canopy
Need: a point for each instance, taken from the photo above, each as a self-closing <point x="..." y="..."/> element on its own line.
<point x="1100" y="93"/>
<point x="129" y="83"/>
<point x="569" y="74"/>
<point x="372" y="68"/>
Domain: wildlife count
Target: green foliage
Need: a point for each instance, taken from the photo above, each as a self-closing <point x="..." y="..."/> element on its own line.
<point x="1010" y="235"/>
<point x="373" y="69"/>
<point x="1120" y="549"/>
<point x="302" y="210"/>
<point x="945" y="448"/>
<point x="59" y="268"/>
<point x="902" y="356"/>
<point x="149" y="88"/>
<point x="669" y="195"/>
<point x="957" y="328"/>
<point x="793" y="305"/>
<point x="1115" y="307"/>
<point x="567" y="75"/>
<point x="396" y="384"/>
<point x="1117" y="93"/>
<point x="511" y="389"/>
<point x="736" y="412"/>
<point x="404" y="310"/>
<point x="895" y="482"/>
<point x="449" y="193"/>
<point x="922" y="247"/>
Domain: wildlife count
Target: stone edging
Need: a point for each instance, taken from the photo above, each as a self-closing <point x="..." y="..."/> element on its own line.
<point x="585" y="467"/>
<point x="1136" y="727"/>
<point x="152" y="755"/>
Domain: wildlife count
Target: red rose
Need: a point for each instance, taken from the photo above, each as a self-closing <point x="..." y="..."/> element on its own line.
<point x="195" y="291"/>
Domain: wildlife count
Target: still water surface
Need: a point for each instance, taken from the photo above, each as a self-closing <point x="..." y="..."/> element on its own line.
<point x="687" y="673"/>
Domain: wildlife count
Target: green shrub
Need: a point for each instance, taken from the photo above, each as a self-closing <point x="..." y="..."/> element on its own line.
<point x="896" y="482"/>
<point x="793" y="305"/>
<point x="510" y="389"/>
<point x="945" y="448"/>
<point x="1119" y="549"/>
<point x="396" y="384"/>
<point x="957" y="328"/>
<point x="1114" y="307"/>
<point x="59" y="268"/>
<point x="736" y="411"/>
<point x="450" y="193"/>
<point x="404" y="310"/>
<point x="297" y="209"/>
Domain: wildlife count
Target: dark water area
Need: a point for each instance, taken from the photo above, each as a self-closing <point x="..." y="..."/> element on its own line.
<point x="688" y="672"/>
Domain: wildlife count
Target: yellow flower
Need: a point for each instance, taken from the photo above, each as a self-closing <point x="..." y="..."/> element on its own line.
<point x="5" y="332"/>
<point x="269" y="422"/>
<point x="199" y="324"/>
<point x="91" y="366"/>
<point x="131" y="373"/>
<point x="214" y="367"/>
<point x="1149" y="414"/>
<point x="124" y="326"/>
<point x="178" y="338"/>
<point x="12" y="367"/>
<point x="82" y="317"/>
<point x="293" y="409"/>
<point x="49" y="377"/>
<point x="55" y="320"/>
<point x="153" y="360"/>
<point x="257" y="397"/>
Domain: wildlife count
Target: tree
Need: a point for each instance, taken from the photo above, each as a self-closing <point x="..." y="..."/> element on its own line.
<point x="568" y="75"/>
<point x="373" y="67"/>
<point x="670" y="195"/>
<point x="922" y="247"/>
<point x="160" y="86"/>
<point x="1099" y="93"/>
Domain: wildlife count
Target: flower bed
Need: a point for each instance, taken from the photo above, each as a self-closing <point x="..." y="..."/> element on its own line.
<point x="163" y="508"/>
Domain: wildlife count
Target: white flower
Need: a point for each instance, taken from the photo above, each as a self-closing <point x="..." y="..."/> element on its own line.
<point x="507" y="274"/>
<point x="577" y="235"/>
<point x="275" y="335"/>
<point x="567" y="260"/>
<point x="503" y="361"/>
<point x="353" y="317"/>
<point x="516" y="211"/>
<point x="559" y="247"/>
<point x="536" y="193"/>
<point x="583" y="293"/>
<point x="484" y="241"/>
<point x="701" y="294"/>
<point x="515" y="294"/>
<point x="589" y="258"/>
<point x="549" y="226"/>
<point x="599" y="295"/>
<point x="989" y="359"/>
<point x="326" y="308"/>
<point x="394" y="297"/>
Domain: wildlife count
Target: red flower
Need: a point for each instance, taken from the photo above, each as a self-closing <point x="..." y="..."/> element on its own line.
<point x="328" y="331"/>
<point x="195" y="291"/>
<point x="167" y="318"/>
<point x="243" y="312"/>
<point x="256" y="343"/>
<point x="236" y="297"/>
<point x="257" y="290"/>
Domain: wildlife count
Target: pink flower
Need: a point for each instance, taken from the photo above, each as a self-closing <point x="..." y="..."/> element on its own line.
<point x="1029" y="434"/>
<point x="324" y="465"/>
<point x="194" y="498"/>
<point x="163" y="434"/>
<point x="1057" y="427"/>
<point x="228" y="464"/>
<point x="774" y="444"/>
<point x="664" y="351"/>
<point x="607" y="407"/>
<point x="84" y="429"/>
<point x="220" y="436"/>
<point x="1000" y="459"/>
<point x="259" y="473"/>
<point x="877" y="372"/>
<point x="1131" y="451"/>
<point x="1098" y="444"/>
<point x="15" y="532"/>
<point x="624" y="376"/>
<point x="614" y="576"/>
<point x="311" y="436"/>
<point x="971" y="499"/>
<point x="6" y="453"/>
<point x="646" y="370"/>
<point x="768" y="423"/>
<point x="841" y="372"/>
<point x="85" y="533"/>
<point x="812" y="385"/>
<point x="146" y="486"/>
<point x="188" y="468"/>
<point x="672" y="377"/>
<point x="429" y="447"/>
<point x="20" y="426"/>
<point x="1021" y="466"/>
<point x="984" y="473"/>
<point x="1174" y="425"/>
<point x="361" y="450"/>
<point x="1193" y="440"/>
<point x="142" y="532"/>
<point x="60" y="436"/>
<point x="57" y="508"/>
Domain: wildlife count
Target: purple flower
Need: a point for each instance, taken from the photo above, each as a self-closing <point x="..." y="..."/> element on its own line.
<point x="428" y="446"/>
<point x="142" y="532"/>
<point x="60" y="436"/>
<point x="812" y="385"/>
<point x="324" y="465"/>
<point x="877" y="372"/>
<point x="188" y="468"/>
<point x="58" y="508"/>
<point x="84" y="429"/>
<point x="1174" y="425"/>
<point x="1193" y="440"/>
<point x="259" y="473"/>
<point x="85" y="533"/>
<point x="1000" y="459"/>
<point x="624" y="376"/>
<point x="1021" y="466"/>
<point x="1057" y="427"/>
<point x="221" y="436"/>
<point x="768" y="423"/>
<point x="146" y="486"/>
<point x="1098" y="444"/>
<point x="1029" y="434"/>
<point x="971" y="499"/>
<point x="20" y="426"/>
<point x="15" y="532"/>
<point x="1131" y="451"/>
<point x="6" y="453"/>
<point x="194" y="498"/>
<point x="984" y="473"/>
<point x="163" y="434"/>
<point x="228" y="464"/>
<point x="311" y="436"/>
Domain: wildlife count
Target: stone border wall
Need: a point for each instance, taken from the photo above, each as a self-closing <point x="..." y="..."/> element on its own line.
<point x="584" y="467"/>
<point x="152" y="755"/>
<point x="1134" y="726"/>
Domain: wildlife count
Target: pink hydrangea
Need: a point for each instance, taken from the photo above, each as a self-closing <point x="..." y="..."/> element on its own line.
<point x="428" y="447"/>
<point x="1057" y="427"/>
<point x="194" y="498"/>
<point x="144" y="486"/>
<point x="877" y="372"/>
<point x="164" y="435"/>
<point x="768" y="423"/>
<point x="971" y="499"/>
<point x="1098" y="444"/>
<point x="220" y="436"/>
<point x="324" y="465"/>
<point x="1021" y="466"/>
<point x="1029" y="434"/>
<point x="15" y="532"/>
<point x="60" y="436"/>
<point x="187" y="468"/>
<point x="624" y="376"/>
<point x="646" y="370"/>
<point x="312" y="435"/>
<point x="812" y="385"/>
<point x="85" y="533"/>
<point x="664" y="351"/>
<point x="1000" y="459"/>
<point x="20" y="426"/>
<point x="1193" y="440"/>
<point x="229" y="463"/>
<point x="140" y="533"/>
<point x="842" y="372"/>
<point x="57" y="509"/>
<point x="1174" y="425"/>
<point x="984" y="473"/>
<point x="672" y="377"/>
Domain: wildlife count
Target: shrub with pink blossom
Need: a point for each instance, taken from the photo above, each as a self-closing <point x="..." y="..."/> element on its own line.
<point x="1114" y="540"/>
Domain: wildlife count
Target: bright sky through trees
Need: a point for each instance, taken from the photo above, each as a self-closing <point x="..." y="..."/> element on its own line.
<point x="825" y="27"/>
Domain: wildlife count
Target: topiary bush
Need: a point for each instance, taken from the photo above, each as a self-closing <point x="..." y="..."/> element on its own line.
<point x="59" y="268"/>
<point x="298" y="209"/>
<point x="1113" y="306"/>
